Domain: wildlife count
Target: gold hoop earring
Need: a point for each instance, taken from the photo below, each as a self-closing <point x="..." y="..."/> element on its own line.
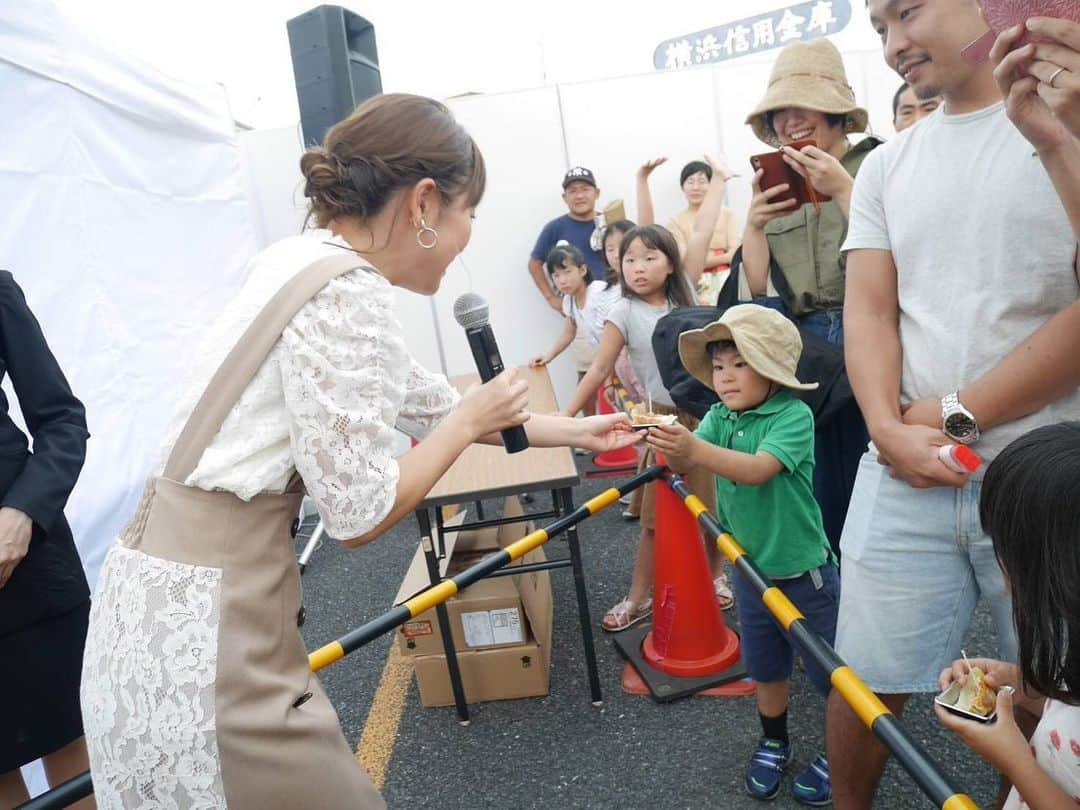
<point x="420" y="236"/>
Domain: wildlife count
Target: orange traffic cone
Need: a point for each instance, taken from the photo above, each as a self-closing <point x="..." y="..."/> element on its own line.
<point x="690" y="649"/>
<point x="624" y="457"/>
<point x="689" y="636"/>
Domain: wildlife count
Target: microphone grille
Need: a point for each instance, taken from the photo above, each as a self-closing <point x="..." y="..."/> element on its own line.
<point x="470" y="310"/>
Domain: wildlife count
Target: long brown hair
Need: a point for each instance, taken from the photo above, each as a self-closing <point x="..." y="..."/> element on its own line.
<point x="388" y="143"/>
<point x="657" y="237"/>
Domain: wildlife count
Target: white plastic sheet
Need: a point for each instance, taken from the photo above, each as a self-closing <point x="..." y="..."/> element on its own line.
<point x="126" y="222"/>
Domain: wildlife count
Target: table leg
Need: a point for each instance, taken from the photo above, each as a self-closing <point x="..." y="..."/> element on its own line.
<point x="564" y="499"/>
<point x="423" y="517"/>
<point x="440" y="533"/>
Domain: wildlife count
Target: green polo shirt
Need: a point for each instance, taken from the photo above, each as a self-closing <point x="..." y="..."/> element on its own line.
<point x="779" y="522"/>
<point x="805" y="245"/>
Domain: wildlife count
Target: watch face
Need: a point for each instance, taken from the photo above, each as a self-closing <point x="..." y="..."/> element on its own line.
<point x="959" y="426"/>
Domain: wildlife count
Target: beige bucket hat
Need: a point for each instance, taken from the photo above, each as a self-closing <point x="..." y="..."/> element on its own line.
<point x="767" y="340"/>
<point x="810" y="75"/>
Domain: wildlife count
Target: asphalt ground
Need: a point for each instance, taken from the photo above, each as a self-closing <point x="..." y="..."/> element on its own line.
<point x="559" y="751"/>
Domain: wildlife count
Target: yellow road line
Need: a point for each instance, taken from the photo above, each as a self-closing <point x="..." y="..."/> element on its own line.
<point x="376" y="745"/>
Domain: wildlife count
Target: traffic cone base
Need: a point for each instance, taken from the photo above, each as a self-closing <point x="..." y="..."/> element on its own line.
<point x="641" y="678"/>
<point x="634" y="684"/>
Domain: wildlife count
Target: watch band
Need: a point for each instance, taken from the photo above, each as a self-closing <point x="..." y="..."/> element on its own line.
<point x="957" y="422"/>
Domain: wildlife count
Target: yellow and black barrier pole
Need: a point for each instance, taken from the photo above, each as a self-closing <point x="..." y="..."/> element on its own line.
<point x="436" y="594"/>
<point x="857" y="694"/>
<point x="79" y="787"/>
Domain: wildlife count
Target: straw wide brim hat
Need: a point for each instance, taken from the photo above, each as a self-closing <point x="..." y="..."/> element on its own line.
<point x="810" y="75"/>
<point x="767" y="340"/>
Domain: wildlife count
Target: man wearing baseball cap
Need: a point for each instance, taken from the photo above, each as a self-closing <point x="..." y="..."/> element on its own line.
<point x="576" y="227"/>
<point x="759" y="443"/>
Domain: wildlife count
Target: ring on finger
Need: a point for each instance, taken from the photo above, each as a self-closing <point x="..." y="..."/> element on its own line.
<point x="1053" y="76"/>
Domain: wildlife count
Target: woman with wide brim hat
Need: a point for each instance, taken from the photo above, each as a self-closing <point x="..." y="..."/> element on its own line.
<point x="798" y="250"/>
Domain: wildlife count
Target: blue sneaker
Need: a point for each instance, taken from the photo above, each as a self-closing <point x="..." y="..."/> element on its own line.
<point x="766" y="767"/>
<point x="812" y="785"/>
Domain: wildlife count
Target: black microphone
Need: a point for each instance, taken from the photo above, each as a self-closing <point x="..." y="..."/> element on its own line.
<point x="471" y="311"/>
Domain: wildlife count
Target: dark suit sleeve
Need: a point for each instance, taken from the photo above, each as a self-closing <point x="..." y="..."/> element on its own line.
<point x="54" y="417"/>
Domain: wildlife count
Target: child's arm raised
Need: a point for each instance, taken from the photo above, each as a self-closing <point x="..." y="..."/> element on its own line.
<point x="644" y="195"/>
<point x="684" y="450"/>
<point x="566" y="337"/>
<point x="697" y="246"/>
<point x="611" y="343"/>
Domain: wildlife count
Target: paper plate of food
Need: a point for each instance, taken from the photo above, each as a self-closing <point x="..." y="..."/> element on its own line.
<point x="642" y="419"/>
<point x="975" y="700"/>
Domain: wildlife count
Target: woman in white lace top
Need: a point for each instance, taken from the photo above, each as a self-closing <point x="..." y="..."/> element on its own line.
<point x="196" y="688"/>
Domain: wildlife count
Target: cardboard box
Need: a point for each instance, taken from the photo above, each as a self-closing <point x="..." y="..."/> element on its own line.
<point x="489" y="612"/>
<point x="518" y="671"/>
<point x="501" y="626"/>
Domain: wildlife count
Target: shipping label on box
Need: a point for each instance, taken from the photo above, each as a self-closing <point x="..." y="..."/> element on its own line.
<point x="416" y="628"/>
<point x="484" y="628"/>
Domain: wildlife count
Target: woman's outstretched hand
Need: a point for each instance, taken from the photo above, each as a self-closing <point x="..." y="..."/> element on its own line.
<point x="606" y="432"/>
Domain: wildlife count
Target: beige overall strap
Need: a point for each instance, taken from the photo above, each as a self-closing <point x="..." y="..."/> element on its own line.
<point x="239" y="367"/>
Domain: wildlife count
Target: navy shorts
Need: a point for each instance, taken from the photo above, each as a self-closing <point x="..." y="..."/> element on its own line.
<point x="767" y="650"/>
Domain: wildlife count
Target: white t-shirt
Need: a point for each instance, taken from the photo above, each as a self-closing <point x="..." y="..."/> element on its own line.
<point x="637" y="321"/>
<point x="983" y="249"/>
<point x="1056" y="743"/>
<point x="599" y="300"/>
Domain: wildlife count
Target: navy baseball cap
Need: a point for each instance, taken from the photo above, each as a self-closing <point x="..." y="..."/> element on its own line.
<point x="579" y="173"/>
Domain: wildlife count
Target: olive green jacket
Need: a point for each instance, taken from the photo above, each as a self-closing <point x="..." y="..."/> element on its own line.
<point x="806" y="246"/>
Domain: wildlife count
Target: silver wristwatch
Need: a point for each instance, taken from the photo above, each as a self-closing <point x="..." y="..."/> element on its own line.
<point x="957" y="422"/>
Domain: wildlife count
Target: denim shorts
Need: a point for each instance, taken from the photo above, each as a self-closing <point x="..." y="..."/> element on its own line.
<point x="914" y="564"/>
<point x="767" y="650"/>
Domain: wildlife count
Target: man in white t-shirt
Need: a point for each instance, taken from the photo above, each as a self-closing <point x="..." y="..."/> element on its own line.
<point x="962" y="325"/>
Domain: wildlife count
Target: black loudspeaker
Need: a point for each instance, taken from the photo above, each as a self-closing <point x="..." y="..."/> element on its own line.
<point x="335" y="64"/>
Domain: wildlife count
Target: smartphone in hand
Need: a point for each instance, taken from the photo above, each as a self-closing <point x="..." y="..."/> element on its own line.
<point x="777" y="171"/>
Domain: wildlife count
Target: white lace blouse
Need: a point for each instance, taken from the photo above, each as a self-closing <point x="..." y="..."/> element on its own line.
<point x="327" y="399"/>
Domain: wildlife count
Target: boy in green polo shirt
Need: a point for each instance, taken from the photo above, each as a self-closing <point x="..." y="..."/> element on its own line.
<point x="759" y="442"/>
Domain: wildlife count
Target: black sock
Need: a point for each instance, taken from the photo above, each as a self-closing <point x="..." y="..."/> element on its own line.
<point x="775" y="728"/>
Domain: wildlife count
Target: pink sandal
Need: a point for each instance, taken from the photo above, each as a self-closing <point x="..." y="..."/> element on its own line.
<point x="626" y="614"/>
<point x="724" y="597"/>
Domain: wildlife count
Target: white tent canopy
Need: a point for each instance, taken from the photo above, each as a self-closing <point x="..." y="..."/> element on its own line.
<point x="127" y="224"/>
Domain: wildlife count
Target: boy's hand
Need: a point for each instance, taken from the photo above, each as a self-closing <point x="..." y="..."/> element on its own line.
<point x="671" y="440"/>
<point x="537" y="362"/>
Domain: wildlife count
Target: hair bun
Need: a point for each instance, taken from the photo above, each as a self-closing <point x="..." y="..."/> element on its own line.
<point x="390" y="142"/>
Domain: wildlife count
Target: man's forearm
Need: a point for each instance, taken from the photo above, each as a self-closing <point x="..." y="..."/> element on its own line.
<point x="536" y="270"/>
<point x="873" y="356"/>
<point x="1043" y="369"/>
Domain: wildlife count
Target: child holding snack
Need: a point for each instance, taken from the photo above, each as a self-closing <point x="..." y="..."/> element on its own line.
<point x="1030" y="507"/>
<point x="653" y="283"/>
<point x="585" y="305"/>
<point x="759" y="443"/>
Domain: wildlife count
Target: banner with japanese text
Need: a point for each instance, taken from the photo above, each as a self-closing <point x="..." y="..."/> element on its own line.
<point x="775" y="29"/>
